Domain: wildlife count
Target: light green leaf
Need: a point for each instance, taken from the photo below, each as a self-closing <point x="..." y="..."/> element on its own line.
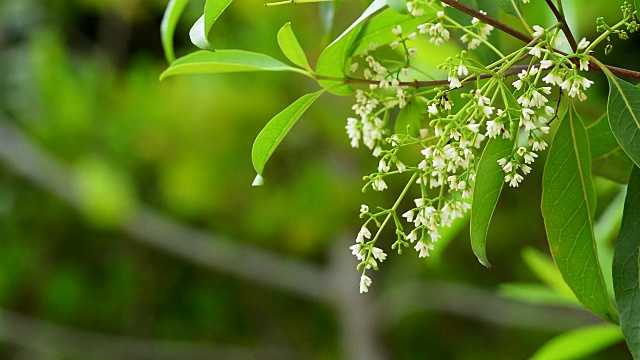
<point x="511" y="7"/>
<point x="579" y="343"/>
<point x="327" y="14"/>
<point x="172" y="14"/>
<point x="537" y="294"/>
<point x="408" y="120"/>
<point x="222" y="61"/>
<point x="198" y="35"/>
<point x="625" y="266"/>
<point x="212" y="10"/>
<point x="568" y="203"/>
<point x="607" y="157"/>
<point x="399" y="6"/>
<point x="623" y="109"/>
<point x="378" y="29"/>
<point x="489" y="181"/>
<point x="542" y="265"/>
<point x="291" y="48"/>
<point x="277" y="128"/>
<point x="333" y="61"/>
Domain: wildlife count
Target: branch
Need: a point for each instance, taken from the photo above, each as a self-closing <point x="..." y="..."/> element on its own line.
<point x="565" y="27"/>
<point x="155" y="230"/>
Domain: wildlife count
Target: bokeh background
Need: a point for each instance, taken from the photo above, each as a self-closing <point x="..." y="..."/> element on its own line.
<point x="129" y="228"/>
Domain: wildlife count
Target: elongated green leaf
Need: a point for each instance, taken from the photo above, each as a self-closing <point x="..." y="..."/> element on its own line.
<point x="291" y="48"/>
<point x="408" y="120"/>
<point x="222" y="61"/>
<point x="489" y="181"/>
<point x="623" y="109"/>
<point x="537" y="294"/>
<point x="625" y="266"/>
<point x="198" y="35"/>
<point x="333" y="62"/>
<point x="542" y="265"/>
<point x="399" y="6"/>
<point x="212" y="10"/>
<point x="511" y="7"/>
<point x="270" y="137"/>
<point x="578" y="343"/>
<point x="172" y="14"/>
<point x="327" y="14"/>
<point x="607" y="157"/>
<point x="378" y="29"/>
<point x="568" y="202"/>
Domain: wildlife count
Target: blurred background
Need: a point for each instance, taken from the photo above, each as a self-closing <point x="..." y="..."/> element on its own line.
<point x="129" y="228"/>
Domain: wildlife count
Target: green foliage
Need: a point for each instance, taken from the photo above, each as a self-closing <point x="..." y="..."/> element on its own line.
<point x="626" y="261"/>
<point x="607" y="157"/>
<point x="623" y="109"/>
<point x="212" y="10"/>
<point x="399" y="6"/>
<point x="577" y="344"/>
<point x="408" y="120"/>
<point x="490" y="179"/>
<point x="291" y="48"/>
<point x="511" y="7"/>
<point x="568" y="205"/>
<point x="223" y="61"/>
<point x="172" y="14"/>
<point x="277" y="128"/>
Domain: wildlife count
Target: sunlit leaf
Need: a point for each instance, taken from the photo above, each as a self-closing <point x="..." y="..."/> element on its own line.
<point x="198" y="36"/>
<point x="489" y="181"/>
<point x="511" y="7"/>
<point x="537" y="294"/>
<point x="607" y="157"/>
<point x="277" y="128"/>
<point x="399" y="6"/>
<point x="544" y="268"/>
<point x="408" y="120"/>
<point x="333" y="63"/>
<point x="623" y="109"/>
<point x="222" y="61"/>
<point x="579" y="343"/>
<point x="291" y="48"/>
<point x="625" y="266"/>
<point x="212" y="10"/>
<point x="568" y="202"/>
<point x="172" y="14"/>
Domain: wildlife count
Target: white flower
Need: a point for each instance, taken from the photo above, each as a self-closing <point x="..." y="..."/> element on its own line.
<point x="462" y="70"/>
<point x="545" y="64"/>
<point x="365" y="282"/>
<point x="433" y="109"/>
<point x="364" y="208"/>
<point x="362" y="234"/>
<point x="583" y="44"/>
<point x="401" y="167"/>
<point x="474" y="127"/>
<point x="408" y="215"/>
<point x="397" y="31"/>
<point x="513" y="179"/>
<point x="412" y="236"/>
<point x="440" y="14"/>
<point x="412" y="52"/>
<point x="356" y="250"/>
<point x="383" y="166"/>
<point x="379" y="254"/>
<point x="423" y="247"/>
<point x="538" y="30"/>
<point x="584" y="64"/>
<point x="378" y="184"/>
<point x="394" y="44"/>
<point x="539" y="145"/>
<point x="454" y="82"/>
<point x="536" y="51"/>
<point x="517" y="84"/>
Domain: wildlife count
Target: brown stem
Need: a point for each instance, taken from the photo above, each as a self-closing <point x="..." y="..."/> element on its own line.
<point x="565" y="27"/>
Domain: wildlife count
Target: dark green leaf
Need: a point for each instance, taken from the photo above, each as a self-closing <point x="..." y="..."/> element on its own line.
<point x="511" y="7"/>
<point x="198" y="35"/>
<point x="408" y="120"/>
<point x="172" y="14"/>
<point x="623" y="109"/>
<point x="489" y="181"/>
<point x="399" y="6"/>
<point x="568" y="203"/>
<point x="625" y="266"/>
<point x="579" y="343"/>
<point x="270" y="137"/>
<point x="333" y="61"/>
<point x="291" y="48"/>
<point x="607" y="157"/>
<point x="537" y="294"/>
<point x="221" y="61"/>
<point x="212" y="10"/>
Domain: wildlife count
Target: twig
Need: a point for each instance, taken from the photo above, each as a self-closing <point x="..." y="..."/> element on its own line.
<point x="565" y="27"/>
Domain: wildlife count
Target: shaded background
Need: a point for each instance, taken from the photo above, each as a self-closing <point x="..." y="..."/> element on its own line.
<point x="129" y="229"/>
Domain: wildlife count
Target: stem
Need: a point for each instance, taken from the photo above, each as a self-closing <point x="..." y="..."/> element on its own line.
<point x="605" y="34"/>
<point x="487" y="43"/>
<point x="565" y="27"/>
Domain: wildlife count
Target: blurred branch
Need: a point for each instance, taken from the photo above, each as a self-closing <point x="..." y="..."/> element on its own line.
<point x="401" y="301"/>
<point x="47" y="338"/>
<point x="160" y="232"/>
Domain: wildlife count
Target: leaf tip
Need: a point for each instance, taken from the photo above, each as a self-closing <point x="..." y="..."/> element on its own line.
<point x="258" y="181"/>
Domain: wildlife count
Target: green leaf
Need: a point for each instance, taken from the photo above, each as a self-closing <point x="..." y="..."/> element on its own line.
<point x="327" y="14"/>
<point x="607" y="157"/>
<point x="212" y="10"/>
<point x="542" y="265"/>
<point x="623" y="109"/>
<point x="378" y="29"/>
<point x="222" y="61"/>
<point x="511" y="7"/>
<point x="579" y="343"/>
<point x="172" y="14"/>
<point x="333" y="61"/>
<point x="270" y="137"/>
<point x="536" y="294"/>
<point x="489" y="181"/>
<point x="408" y="120"/>
<point x="625" y="266"/>
<point x="291" y="48"/>
<point x="399" y="6"/>
<point x="568" y="203"/>
<point x="198" y="35"/>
